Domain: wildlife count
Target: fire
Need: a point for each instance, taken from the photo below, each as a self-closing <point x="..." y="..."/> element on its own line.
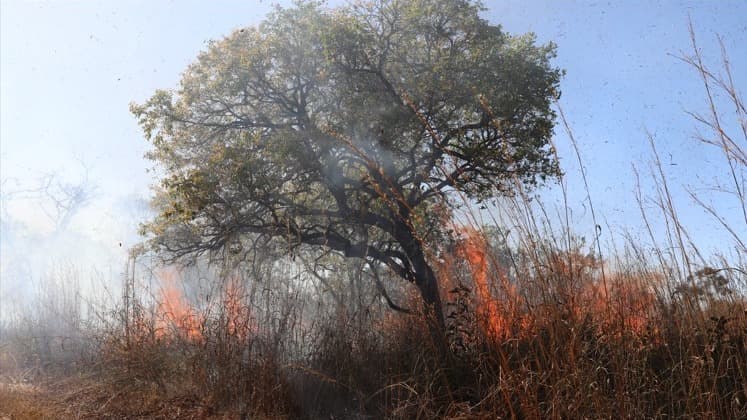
<point x="619" y="304"/>
<point x="490" y="311"/>
<point x="175" y="314"/>
<point x="494" y="302"/>
<point x="177" y="318"/>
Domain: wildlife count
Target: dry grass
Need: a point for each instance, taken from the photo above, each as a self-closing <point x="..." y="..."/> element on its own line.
<point x="24" y="402"/>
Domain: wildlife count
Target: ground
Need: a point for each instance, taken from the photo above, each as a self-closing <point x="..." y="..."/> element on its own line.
<point x="83" y="398"/>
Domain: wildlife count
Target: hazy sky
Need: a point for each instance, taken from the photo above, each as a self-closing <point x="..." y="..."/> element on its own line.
<point x="71" y="68"/>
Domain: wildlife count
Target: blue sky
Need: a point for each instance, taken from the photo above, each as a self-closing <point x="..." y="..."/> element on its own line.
<point x="69" y="70"/>
<point x="623" y="79"/>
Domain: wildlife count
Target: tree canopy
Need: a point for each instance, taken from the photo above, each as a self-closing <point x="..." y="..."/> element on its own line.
<point x="342" y="130"/>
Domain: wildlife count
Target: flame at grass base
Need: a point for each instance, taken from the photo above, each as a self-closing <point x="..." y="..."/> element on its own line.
<point x="565" y="285"/>
<point x="492" y="314"/>
<point x="175" y="316"/>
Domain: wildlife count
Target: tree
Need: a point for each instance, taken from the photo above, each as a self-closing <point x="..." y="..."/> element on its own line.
<point x="344" y="130"/>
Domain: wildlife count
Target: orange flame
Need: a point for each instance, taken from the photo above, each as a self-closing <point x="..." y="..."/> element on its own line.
<point x="495" y="300"/>
<point x="175" y="314"/>
<point x="475" y="249"/>
<point x="176" y="317"/>
<point x="619" y="305"/>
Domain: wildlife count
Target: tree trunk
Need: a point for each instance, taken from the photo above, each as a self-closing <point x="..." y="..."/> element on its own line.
<point x="427" y="283"/>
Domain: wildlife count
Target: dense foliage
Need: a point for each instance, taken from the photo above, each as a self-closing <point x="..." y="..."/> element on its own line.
<point x="342" y="130"/>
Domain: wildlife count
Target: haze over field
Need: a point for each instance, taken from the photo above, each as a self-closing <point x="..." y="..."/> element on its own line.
<point x="395" y="209"/>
